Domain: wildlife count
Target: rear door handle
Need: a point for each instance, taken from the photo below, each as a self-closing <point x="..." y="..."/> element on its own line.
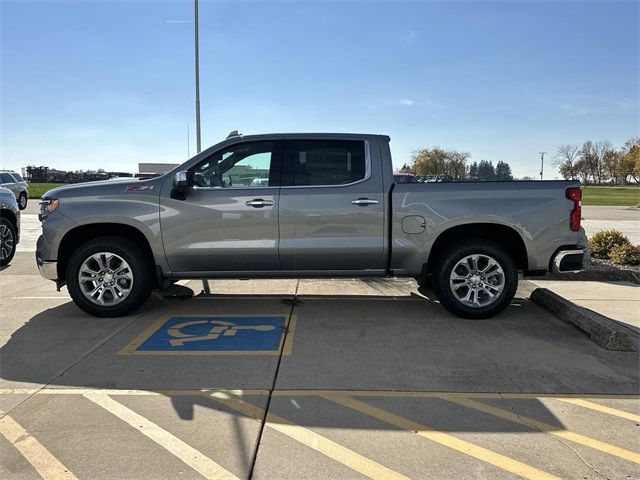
<point x="259" y="203"/>
<point x="363" y="202"/>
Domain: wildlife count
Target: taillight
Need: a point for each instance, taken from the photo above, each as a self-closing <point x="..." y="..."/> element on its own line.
<point x="575" y="194"/>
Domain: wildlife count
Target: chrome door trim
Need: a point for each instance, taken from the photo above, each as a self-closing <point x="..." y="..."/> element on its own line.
<point x="234" y="189"/>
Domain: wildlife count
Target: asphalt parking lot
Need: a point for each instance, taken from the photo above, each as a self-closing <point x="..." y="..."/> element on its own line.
<point x="309" y="379"/>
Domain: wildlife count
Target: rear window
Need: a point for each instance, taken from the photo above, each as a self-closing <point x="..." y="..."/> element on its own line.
<point x="323" y="162"/>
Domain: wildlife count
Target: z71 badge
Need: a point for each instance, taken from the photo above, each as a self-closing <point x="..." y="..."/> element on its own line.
<point x="138" y="188"/>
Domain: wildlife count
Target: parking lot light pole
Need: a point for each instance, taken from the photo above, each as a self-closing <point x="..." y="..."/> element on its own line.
<point x="205" y="283"/>
<point x="197" y="54"/>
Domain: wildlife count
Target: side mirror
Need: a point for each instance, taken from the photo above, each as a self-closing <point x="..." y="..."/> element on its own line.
<point x="180" y="186"/>
<point x="180" y="180"/>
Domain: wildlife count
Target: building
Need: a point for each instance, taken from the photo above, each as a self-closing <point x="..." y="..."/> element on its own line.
<point x="156" y="168"/>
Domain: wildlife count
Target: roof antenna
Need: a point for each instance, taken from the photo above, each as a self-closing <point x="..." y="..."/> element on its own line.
<point x="233" y="134"/>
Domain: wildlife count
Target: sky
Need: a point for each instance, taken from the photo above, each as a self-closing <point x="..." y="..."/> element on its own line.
<point x="109" y="84"/>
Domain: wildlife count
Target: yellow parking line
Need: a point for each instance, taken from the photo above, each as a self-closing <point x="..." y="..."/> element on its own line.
<point x="48" y="466"/>
<point x="455" y="443"/>
<point x="317" y="442"/>
<point x="302" y="393"/>
<point x="119" y="392"/>
<point x="419" y="394"/>
<point x="547" y="428"/>
<point x="601" y="408"/>
<point x="189" y="455"/>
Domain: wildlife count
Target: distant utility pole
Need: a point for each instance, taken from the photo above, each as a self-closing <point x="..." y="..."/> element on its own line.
<point x="188" y="141"/>
<point x="197" y="51"/>
<point x="542" y="164"/>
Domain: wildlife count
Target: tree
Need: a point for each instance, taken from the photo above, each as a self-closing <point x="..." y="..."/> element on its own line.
<point x="473" y="172"/>
<point x="457" y="165"/>
<point x="612" y="161"/>
<point x="503" y="172"/>
<point x="630" y="162"/>
<point x="565" y="161"/>
<point x="486" y="171"/>
<point x="593" y="154"/>
<point x="438" y="161"/>
<point x="406" y="169"/>
<point x="582" y="171"/>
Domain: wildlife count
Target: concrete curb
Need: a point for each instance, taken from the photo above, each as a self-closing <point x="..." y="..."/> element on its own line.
<point x="594" y="276"/>
<point x="607" y="333"/>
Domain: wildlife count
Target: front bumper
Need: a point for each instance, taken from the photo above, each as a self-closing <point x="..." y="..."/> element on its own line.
<point x="48" y="270"/>
<point x="568" y="260"/>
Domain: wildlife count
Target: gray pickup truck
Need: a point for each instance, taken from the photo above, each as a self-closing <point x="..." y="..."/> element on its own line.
<point x="305" y="205"/>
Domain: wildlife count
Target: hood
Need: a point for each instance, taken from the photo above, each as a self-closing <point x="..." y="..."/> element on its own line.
<point x="90" y="188"/>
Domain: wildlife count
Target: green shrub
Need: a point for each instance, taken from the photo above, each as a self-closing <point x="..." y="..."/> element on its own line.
<point x="625" y="254"/>
<point x="601" y="243"/>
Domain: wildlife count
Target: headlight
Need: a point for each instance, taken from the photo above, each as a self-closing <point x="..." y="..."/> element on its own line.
<point x="47" y="206"/>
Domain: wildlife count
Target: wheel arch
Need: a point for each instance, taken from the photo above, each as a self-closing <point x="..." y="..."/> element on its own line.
<point x="503" y="235"/>
<point x="83" y="233"/>
<point x="9" y="215"/>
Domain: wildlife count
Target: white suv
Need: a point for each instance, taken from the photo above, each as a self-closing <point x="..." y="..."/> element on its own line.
<point x="17" y="185"/>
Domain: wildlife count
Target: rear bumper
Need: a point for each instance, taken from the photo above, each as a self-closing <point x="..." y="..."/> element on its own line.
<point x="568" y="260"/>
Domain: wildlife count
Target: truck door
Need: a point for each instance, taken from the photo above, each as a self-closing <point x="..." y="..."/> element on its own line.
<point x="331" y="207"/>
<point x="228" y="219"/>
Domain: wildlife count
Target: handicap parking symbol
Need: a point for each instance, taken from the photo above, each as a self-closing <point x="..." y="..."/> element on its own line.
<point x="192" y="335"/>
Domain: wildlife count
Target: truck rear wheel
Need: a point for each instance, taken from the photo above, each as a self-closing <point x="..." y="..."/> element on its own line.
<point x="109" y="277"/>
<point x="475" y="279"/>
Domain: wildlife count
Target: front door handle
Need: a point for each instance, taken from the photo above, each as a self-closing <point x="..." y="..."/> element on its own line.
<point x="363" y="202"/>
<point x="259" y="203"/>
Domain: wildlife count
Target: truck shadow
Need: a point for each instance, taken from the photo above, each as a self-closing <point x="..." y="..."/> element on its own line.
<point x="372" y="348"/>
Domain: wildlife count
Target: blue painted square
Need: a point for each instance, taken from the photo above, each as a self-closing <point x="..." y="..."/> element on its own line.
<point x="219" y="333"/>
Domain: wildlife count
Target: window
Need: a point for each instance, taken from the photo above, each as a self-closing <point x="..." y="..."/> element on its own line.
<point x="323" y="162"/>
<point x="17" y="177"/>
<point x="6" y="178"/>
<point x="405" y="178"/>
<point x="242" y="165"/>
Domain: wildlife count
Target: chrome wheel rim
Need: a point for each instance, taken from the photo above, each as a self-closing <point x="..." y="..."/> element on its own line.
<point x="477" y="280"/>
<point x="105" y="279"/>
<point x="6" y="242"/>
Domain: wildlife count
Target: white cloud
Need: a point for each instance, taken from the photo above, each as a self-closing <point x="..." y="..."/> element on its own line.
<point x="402" y="102"/>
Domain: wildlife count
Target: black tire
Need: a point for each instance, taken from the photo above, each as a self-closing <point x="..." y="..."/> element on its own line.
<point x="458" y="251"/>
<point x="424" y="281"/>
<point x="7" y="241"/>
<point x="22" y="201"/>
<point x="141" y="269"/>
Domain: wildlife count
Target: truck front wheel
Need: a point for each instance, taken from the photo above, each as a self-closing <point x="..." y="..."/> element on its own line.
<point x="109" y="277"/>
<point x="475" y="279"/>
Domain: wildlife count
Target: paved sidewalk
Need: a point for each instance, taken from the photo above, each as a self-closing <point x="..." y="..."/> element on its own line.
<point x="617" y="300"/>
